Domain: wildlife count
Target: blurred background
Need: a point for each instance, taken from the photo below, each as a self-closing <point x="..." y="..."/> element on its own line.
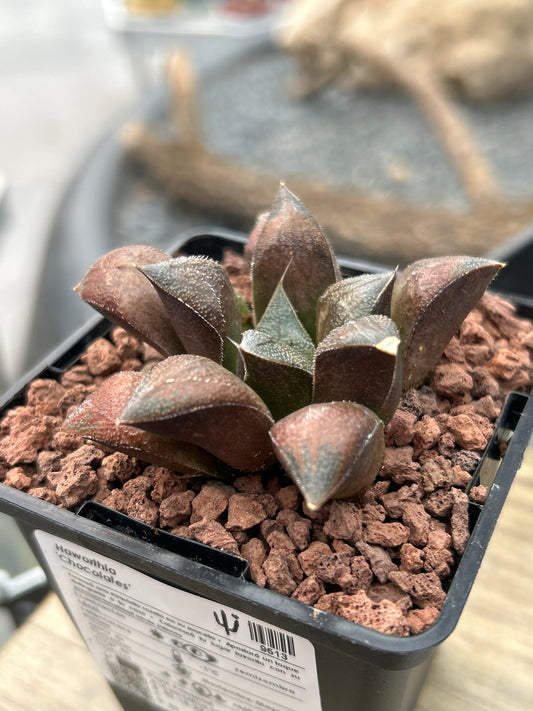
<point x="404" y="142"/>
<point x="405" y="128"/>
<point x="64" y="79"/>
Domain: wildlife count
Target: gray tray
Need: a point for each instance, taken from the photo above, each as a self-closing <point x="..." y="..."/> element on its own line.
<point x="248" y="115"/>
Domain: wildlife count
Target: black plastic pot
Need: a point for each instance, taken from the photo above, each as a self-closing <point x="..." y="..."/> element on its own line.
<point x="517" y="253"/>
<point x="176" y="625"/>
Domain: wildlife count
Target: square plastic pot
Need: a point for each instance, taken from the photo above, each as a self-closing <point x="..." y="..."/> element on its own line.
<point x="517" y="254"/>
<point x="177" y="625"/>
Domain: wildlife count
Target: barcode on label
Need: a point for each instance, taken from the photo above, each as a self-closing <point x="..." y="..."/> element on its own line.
<point x="274" y="639"/>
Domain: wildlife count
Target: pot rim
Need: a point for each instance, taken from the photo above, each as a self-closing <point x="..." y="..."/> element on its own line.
<point x="319" y="627"/>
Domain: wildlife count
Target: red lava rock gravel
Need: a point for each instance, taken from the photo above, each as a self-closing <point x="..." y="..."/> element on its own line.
<point x="383" y="559"/>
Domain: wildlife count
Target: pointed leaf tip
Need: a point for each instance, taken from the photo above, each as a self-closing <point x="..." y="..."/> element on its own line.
<point x="360" y="361"/>
<point x="290" y="239"/>
<point x="117" y="290"/>
<point x="330" y="450"/>
<point x="281" y="323"/>
<point x="430" y="300"/>
<point x="98" y="420"/>
<point x="278" y="357"/>
<point x="277" y="373"/>
<point x="201" y="304"/>
<point x="353" y="298"/>
<point x="193" y="399"/>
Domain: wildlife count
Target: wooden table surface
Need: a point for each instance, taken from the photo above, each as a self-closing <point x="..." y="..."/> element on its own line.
<point x="486" y="665"/>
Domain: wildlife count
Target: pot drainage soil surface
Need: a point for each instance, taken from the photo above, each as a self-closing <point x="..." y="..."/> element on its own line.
<point x="383" y="560"/>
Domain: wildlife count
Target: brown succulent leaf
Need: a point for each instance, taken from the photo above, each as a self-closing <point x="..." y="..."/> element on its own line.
<point x="277" y="357"/>
<point x="353" y="298"/>
<point x="115" y="288"/>
<point x="97" y="419"/>
<point x="201" y="304"/>
<point x="330" y="450"/>
<point x="360" y="361"/>
<point x="280" y="375"/>
<point x="194" y="399"/>
<point x="430" y="300"/>
<point x="281" y="322"/>
<point x="291" y="240"/>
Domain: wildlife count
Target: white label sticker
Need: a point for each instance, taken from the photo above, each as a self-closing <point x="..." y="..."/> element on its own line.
<point x="180" y="651"/>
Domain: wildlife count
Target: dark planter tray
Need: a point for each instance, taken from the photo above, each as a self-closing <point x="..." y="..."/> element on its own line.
<point x="517" y="253"/>
<point x="176" y="625"/>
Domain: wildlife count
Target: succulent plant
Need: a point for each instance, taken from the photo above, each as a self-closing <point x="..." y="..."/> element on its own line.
<point x="312" y="384"/>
